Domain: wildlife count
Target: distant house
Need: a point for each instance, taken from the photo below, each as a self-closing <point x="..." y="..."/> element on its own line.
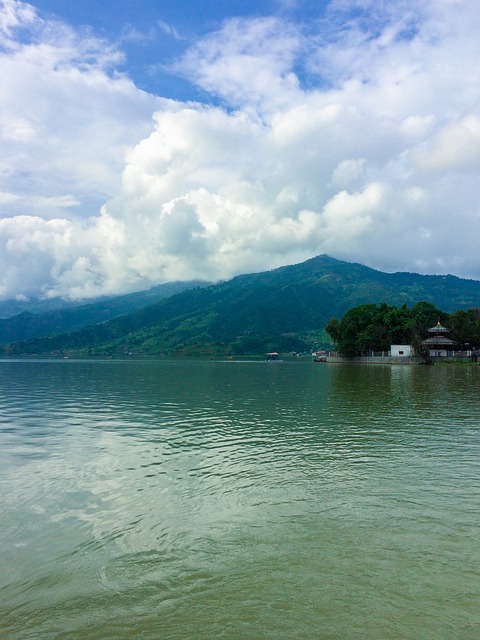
<point x="401" y="350"/>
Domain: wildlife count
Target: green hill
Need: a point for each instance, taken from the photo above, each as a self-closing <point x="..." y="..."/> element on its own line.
<point x="32" y="322"/>
<point x="285" y="309"/>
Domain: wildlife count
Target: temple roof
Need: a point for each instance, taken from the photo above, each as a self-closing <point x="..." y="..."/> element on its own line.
<point x="438" y="337"/>
<point x="438" y="328"/>
<point x="439" y="340"/>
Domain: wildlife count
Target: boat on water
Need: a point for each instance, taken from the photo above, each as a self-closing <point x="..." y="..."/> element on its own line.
<point x="273" y="356"/>
<point x="320" y="359"/>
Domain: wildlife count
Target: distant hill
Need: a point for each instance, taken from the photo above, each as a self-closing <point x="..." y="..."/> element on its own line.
<point x="36" y="318"/>
<point x="285" y="309"/>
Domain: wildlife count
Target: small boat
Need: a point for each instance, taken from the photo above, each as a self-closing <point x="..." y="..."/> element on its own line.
<point x="320" y="359"/>
<point x="273" y="356"/>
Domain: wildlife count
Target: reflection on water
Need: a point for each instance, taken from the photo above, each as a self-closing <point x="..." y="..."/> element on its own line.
<point x="234" y="500"/>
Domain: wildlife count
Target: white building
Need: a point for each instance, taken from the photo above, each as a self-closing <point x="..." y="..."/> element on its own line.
<point x="400" y="350"/>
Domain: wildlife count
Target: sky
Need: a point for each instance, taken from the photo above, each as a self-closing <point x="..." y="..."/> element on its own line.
<point x="146" y="141"/>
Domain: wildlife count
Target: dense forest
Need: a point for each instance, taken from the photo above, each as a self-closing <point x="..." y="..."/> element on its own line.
<point x="375" y="327"/>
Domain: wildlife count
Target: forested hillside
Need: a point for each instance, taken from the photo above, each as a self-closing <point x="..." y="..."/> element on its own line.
<point x="285" y="309"/>
<point x="32" y="323"/>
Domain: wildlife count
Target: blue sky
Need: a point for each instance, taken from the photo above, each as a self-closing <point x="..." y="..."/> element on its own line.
<point x="150" y="141"/>
<point x="153" y="33"/>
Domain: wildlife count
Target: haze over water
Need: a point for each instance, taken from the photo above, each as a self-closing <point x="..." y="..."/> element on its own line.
<point x="238" y="500"/>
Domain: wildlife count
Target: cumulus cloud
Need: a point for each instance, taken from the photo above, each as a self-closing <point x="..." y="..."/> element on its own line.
<point x="357" y="135"/>
<point x="66" y="119"/>
<point x="248" y="64"/>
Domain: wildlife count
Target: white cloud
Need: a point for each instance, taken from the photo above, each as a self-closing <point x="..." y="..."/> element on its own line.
<point x="248" y="64"/>
<point x="453" y="147"/>
<point x="65" y="121"/>
<point x="357" y="136"/>
<point x="169" y="30"/>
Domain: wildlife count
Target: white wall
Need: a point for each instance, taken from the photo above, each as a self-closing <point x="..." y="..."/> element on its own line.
<point x="401" y="350"/>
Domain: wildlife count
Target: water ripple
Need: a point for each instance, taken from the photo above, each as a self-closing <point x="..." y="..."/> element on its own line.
<point x="180" y="500"/>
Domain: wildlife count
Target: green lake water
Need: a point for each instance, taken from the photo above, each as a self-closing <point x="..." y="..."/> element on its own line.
<point x="238" y="501"/>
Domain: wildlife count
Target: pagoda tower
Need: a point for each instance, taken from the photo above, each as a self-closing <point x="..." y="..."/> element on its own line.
<point x="438" y="344"/>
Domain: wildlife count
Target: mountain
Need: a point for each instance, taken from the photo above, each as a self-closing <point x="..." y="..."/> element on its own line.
<point x="283" y="309"/>
<point x="59" y="316"/>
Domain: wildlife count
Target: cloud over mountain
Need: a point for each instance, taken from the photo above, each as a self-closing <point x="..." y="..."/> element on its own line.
<point x="356" y="135"/>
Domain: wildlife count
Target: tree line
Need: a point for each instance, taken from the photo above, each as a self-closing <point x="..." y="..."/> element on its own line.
<point x="375" y="327"/>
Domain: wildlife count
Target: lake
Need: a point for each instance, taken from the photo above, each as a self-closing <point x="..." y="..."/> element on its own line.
<point x="196" y="500"/>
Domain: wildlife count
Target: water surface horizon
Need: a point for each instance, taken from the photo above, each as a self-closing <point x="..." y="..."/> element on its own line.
<point x="238" y="500"/>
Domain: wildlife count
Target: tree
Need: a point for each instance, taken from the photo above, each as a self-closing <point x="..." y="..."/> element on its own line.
<point x="465" y="327"/>
<point x="371" y="327"/>
<point x="354" y="333"/>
